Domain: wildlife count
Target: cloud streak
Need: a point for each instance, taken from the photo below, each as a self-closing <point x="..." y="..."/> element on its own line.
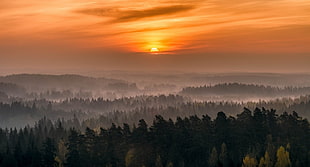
<point x="157" y="11"/>
<point x="135" y="15"/>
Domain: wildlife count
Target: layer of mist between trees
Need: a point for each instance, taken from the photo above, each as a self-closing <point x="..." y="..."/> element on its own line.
<point x="219" y="92"/>
<point x="100" y="112"/>
<point x="252" y="138"/>
<point x="242" y="92"/>
<point x="26" y="98"/>
<point x="242" y="87"/>
<point x="197" y="79"/>
<point x="60" y="87"/>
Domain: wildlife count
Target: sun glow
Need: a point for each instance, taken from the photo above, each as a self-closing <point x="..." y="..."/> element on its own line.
<point x="171" y="27"/>
<point x="154" y="50"/>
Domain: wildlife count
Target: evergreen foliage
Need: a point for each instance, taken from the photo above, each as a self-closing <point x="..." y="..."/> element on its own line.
<point x="250" y="139"/>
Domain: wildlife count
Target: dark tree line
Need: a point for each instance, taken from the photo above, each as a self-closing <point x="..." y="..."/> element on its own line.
<point x="252" y="137"/>
<point x="245" y="89"/>
<point x="22" y="112"/>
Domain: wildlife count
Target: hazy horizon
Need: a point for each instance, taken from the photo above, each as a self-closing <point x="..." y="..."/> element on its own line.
<point x="110" y="73"/>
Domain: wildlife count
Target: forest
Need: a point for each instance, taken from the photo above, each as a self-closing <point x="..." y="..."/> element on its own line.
<point x="252" y="138"/>
<point x="100" y="112"/>
<point x="102" y="122"/>
<point x="237" y="91"/>
<point x="240" y="89"/>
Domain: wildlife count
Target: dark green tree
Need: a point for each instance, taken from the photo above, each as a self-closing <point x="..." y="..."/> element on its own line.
<point x="49" y="153"/>
<point x="73" y="156"/>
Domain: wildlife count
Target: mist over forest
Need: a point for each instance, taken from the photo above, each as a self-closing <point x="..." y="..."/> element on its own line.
<point x="68" y="116"/>
<point x="124" y="97"/>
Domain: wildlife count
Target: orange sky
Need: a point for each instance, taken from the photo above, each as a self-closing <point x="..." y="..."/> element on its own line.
<point x="205" y="35"/>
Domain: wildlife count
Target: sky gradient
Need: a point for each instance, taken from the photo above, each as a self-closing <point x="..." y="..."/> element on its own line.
<point x="193" y="36"/>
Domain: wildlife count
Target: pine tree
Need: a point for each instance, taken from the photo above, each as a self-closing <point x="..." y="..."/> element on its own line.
<point x="129" y="158"/>
<point x="249" y="162"/>
<point x="267" y="160"/>
<point x="61" y="153"/>
<point x="261" y="162"/>
<point x="213" y="160"/>
<point x="159" y="163"/>
<point x="283" y="158"/>
<point x="224" y="156"/>
<point x="170" y="164"/>
<point x="73" y="156"/>
<point x="49" y="153"/>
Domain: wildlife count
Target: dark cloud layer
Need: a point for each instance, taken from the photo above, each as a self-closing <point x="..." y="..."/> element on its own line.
<point x="131" y="15"/>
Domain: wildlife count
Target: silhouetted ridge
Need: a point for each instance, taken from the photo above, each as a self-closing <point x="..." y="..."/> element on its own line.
<point x="244" y="89"/>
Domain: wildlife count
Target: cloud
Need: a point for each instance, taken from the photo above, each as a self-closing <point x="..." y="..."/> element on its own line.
<point x="103" y="12"/>
<point x="157" y="11"/>
<point x="132" y="15"/>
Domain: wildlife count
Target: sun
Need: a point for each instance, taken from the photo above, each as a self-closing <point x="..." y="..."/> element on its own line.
<point x="154" y="50"/>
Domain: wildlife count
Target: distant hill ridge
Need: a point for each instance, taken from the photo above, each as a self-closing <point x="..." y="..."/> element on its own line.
<point x="244" y="89"/>
<point x="50" y="76"/>
<point x="66" y="81"/>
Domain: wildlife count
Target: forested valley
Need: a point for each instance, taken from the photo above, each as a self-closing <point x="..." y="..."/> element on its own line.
<point x="76" y="121"/>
